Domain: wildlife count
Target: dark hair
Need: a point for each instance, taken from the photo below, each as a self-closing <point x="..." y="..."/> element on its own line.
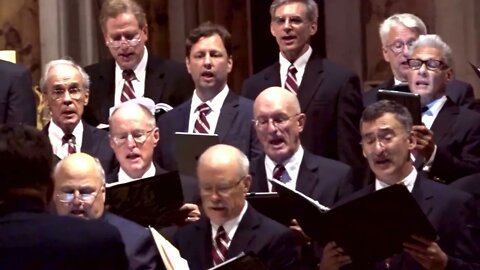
<point x="26" y="159"/>
<point x="379" y="108"/>
<point x="208" y="29"/>
<point x="113" y="8"/>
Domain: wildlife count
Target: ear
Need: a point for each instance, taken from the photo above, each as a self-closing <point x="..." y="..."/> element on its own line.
<point x="187" y="63"/>
<point x="301" y="122"/>
<point x="247" y="182"/>
<point x="229" y="64"/>
<point x="385" y="54"/>
<point x="313" y="28"/>
<point x="87" y="95"/>
<point x="449" y="74"/>
<point x="412" y="141"/>
<point x="156" y="136"/>
<point x="110" y="140"/>
<point x="145" y="32"/>
<point x="272" y="29"/>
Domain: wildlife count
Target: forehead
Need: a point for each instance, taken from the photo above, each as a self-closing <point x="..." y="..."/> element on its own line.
<point x="426" y="53"/>
<point x="292" y="9"/>
<point x="212" y="173"/>
<point x="123" y="22"/>
<point x="386" y="121"/>
<point x="128" y="117"/>
<point x="73" y="176"/>
<point x="63" y="74"/>
<point x="272" y="104"/>
<point x="401" y="32"/>
<point x="209" y="43"/>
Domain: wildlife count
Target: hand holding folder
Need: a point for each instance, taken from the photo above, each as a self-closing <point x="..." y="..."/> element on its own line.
<point x="152" y="201"/>
<point x="369" y="229"/>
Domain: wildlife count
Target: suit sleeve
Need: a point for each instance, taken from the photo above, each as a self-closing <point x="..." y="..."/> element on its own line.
<point x="146" y="256"/>
<point x="283" y="255"/>
<point x="249" y="90"/>
<point x="21" y="103"/>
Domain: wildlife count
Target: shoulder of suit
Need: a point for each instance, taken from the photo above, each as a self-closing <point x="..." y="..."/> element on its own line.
<point x="444" y="192"/>
<point x="328" y="163"/>
<point x="123" y="224"/>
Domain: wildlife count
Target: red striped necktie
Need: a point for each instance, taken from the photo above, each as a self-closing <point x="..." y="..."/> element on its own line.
<point x="127" y="91"/>
<point x="70" y="140"/>
<point x="220" y="246"/>
<point x="201" y="124"/>
<point x="291" y="81"/>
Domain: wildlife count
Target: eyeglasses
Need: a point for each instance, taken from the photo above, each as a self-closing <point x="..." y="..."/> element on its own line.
<point x="68" y="197"/>
<point x="74" y="93"/>
<point x="384" y="137"/>
<point x="130" y="41"/>
<point x="293" y="20"/>
<point x="279" y="121"/>
<point x="139" y="136"/>
<point x="223" y="190"/>
<point x="431" y="64"/>
<point x="397" y="46"/>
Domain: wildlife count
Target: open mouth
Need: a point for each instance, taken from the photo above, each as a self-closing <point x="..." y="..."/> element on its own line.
<point x="207" y="74"/>
<point x="276" y="141"/>
<point x="78" y="212"/>
<point x="422" y="84"/>
<point x="133" y="156"/>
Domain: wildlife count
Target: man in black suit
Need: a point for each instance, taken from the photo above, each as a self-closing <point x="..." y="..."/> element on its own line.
<point x="65" y="88"/>
<point x="387" y="141"/>
<point x="448" y="142"/>
<point x="30" y="238"/>
<point x="329" y="95"/>
<point x="125" y="30"/>
<point x="80" y="192"/>
<point x="397" y="34"/>
<point x="17" y="102"/>
<point x="231" y="226"/>
<point x="214" y="108"/>
<point x="133" y="137"/>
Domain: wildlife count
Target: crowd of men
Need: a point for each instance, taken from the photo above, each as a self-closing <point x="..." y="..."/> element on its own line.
<point x="303" y="121"/>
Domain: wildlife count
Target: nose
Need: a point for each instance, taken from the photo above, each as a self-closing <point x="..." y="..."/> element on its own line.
<point x="271" y="127"/>
<point x="130" y="141"/>
<point x="76" y="199"/>
<point x="287" y="24"/>
<point x="67" y="98"/>
<point x="405" y="49"/>
<point x="207" y="61"/>
<point x="379" y="146"/>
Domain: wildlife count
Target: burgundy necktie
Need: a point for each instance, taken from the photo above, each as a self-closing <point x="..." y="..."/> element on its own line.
<point x="127" y="91"/>
<point x="277" y="174"/>
<point x="70" y="140"/>
<point x="220" y="246"/>
<point x="201" y="124"/>
<point x="291" y="81"/>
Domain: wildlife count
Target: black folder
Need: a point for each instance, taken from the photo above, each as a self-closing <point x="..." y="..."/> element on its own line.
<point x="152" y="201"/>
<point x="370" y="228"/>
<point x="271" y="205"/>
<point x="243" y="261"/>
<point x="410" y="100"/>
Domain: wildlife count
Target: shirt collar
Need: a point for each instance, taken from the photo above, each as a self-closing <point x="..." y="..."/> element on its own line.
<point x="139" y="69"/>
<point x="435" y="106"/>
<point x="231" y="225"/>
<point x="301" y="61"/>
<point x="123" y="176"/>
<point x="408" y="181"/>
<point x="292" y="165"/>
<point x="55" y="133"/>
<point x="215" y="103"/>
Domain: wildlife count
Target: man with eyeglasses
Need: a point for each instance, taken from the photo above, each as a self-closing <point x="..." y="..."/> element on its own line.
<point x="231" y="226"/>
<point x="80" y="192"/>
<point x="134" y="71"/>
<point x="66" y="91"/>
<point x="133" y="137"/>
<point x="397" y="34"/>
<point x="329" y="95"/>
<point x="214" y="107"/>
<point x="31" y="238"/>
<point x="388" y="138"/>
<point x="448" y="142"/>
<point x="279" y="122"/>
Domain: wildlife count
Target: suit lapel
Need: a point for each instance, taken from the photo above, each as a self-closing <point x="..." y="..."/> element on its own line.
<point x="422" y="194"/>
<point x="203" y="249"/>
<point x="245" y="234"/>
<point x="312" y="78"/>
<point x="87" y="141"/>
<point x="272" y="77"/>
<point x="181" y="122"/>
<point x="444" y="120"/>
<point x="259" y="175"/>
<point x="307" y="180"/>
<point x="154" y="79"/>
<point x="227" y="116"/>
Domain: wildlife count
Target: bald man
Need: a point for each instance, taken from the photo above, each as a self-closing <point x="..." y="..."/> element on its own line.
<point x="230" y="223"/>
<point x="279" y="122"/>
<point x="80" y="192"/>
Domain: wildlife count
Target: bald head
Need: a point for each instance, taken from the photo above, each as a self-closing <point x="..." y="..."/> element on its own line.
<point x="223" y="176"/>
<point x="75" y="176"/>
<point x="278" y="122"/>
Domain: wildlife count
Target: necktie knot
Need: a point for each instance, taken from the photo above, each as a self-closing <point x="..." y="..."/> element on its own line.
<point x="203" y="108"/>
<point x="128" y="75"/>
<point x="220" y="246"/>
<point x="278" y="172"/>
<point x="68" y="138"/>
<point x="292" y="69"/>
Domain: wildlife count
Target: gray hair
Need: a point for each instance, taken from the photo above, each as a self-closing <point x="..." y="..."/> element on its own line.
<point x="150" y="118"/>
<point x="243" y="164"/>
<point x="63" y="62"/>
<point x="100" y="169"/>
<point x="407" y="20"/>
<point x="433" y="41"/>
<point x="312" y="8"/>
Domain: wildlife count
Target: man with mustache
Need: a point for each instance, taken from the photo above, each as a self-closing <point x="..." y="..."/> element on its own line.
<point x="214" y="108"/>
<point x="388" y="138"/>
<point x="80" y="192"/>
<point x="448" y="142"/>
<point x="231" y="225"/>
<point x="397" y="33"/>
<point x="66" y="91"/>
<point x="134" y="71"/>
<point x="329" y="95"/>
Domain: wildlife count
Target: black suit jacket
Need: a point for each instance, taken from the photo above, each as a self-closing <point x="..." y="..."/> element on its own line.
<point x="140" y="247"/>
<point x="234" y="127"/>
<point x="17" y="102"/>
<point x="271" y="241"/>
<point x="96" y="143"/>
<point x="456" y="132"/>
<point x="321" y="179"/>
<point x="165" y="81"/>
<point x="30" y="238"/>
<point x="460" y="92"/>
<point x="331" y="97"/>
<point x="451" y="213"/>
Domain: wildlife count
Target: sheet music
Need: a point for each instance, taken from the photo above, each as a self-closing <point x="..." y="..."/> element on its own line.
<point x="321" y="207"/>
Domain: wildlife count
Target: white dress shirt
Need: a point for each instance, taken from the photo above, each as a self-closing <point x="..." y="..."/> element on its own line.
<point x="215" y="105"/>
<point x="123" y="176"/>
<point x="55" y="135"/>
<point x="292" y="168"/>
<point x="138" y="83"/>
<point x="230" y="226"/>
<point x="300" y="64"/>
<point x="408" y="181"/>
